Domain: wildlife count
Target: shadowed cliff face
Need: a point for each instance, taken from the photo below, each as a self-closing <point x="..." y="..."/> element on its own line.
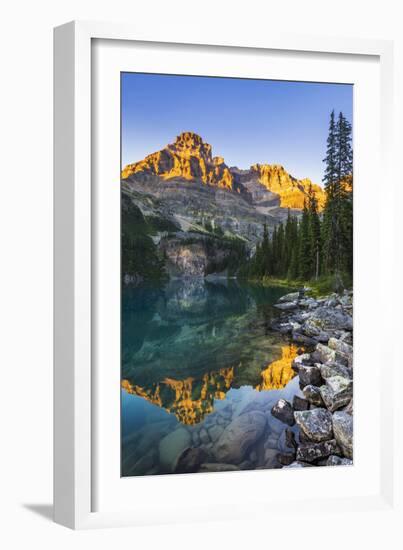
<point x="190" y="158"/>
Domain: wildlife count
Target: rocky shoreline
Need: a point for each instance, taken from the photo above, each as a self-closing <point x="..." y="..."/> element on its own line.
<point x="309" y="423"/>
<point x="324" y="415"/>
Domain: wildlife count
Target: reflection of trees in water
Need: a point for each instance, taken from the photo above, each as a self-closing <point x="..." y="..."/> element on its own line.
<point x="190" y="326"/>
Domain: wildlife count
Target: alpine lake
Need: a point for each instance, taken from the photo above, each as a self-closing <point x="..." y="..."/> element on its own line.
<point x="197" y="353"/>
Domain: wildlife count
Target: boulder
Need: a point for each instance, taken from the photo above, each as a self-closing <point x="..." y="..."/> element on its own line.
<point x="333" y="369"/>
<point x="204" y="436"/>
<point x="334" y="460"/>
<point x="300" y="404"/>
<point x="190" y="460"/>
<point x="172" y="446"/>
<point x="343" y="432"/>
<point x="303" y="359"/>
<point x="215" y="432"/>
<point x="238" y="437"/>
<point x="326" y="355"/>
<point x="350" y="407"/>
<point x="302" y="339"/>
<point x="310" y="376"/>
<point x="329" y="318"/>
<point x="315" y="451"/>
<point x="316" y="424"/>
<point x="283" y="411"/>
<point x="337" y="392"/>
<point x="287" y="306"/>
<point x="291" y="297"/>
<point x="313" y="396"/>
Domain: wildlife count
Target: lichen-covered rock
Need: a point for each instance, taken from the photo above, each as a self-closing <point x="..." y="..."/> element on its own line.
<point x="337" y="392"/>
<point x="333" y="369"/>
<point x="313" y="396"/>
<point x="283" y="411"/>
<point x="172" y="446"/>
<point x="315" y="451"/>
<point x="316" y="424"/>
<point x="329" y="318"/>
<point x="300" y="360"/>
<point x="343" y="432"/>
<point x="238" y="436"/>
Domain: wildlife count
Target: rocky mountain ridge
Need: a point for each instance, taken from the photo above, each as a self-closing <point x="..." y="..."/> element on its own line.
<point x="190" y="158"/>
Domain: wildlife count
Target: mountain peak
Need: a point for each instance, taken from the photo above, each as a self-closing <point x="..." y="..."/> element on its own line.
<point x="189" y="157"/>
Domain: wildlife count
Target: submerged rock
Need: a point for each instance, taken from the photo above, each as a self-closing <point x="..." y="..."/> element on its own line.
<point x="217" y="467"/>
<point x="190" y="459"/>
<point x="238" y="436"/>
<point x="283" y="411"/>
<point x="343" y="432"/>
<point x="316" y="424"/>
<point x="171" y="447"/>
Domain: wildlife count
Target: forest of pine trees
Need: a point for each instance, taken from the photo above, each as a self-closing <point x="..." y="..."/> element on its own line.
<point x="318" y="244"/>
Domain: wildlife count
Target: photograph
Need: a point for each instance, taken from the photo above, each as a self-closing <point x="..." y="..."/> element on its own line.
<point x="236" y="274"/>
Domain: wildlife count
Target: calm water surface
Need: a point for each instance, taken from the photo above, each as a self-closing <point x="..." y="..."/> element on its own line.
<point x="194" y="352"/>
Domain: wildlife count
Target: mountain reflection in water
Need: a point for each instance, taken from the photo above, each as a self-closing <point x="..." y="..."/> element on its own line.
<point x="192" y="349"/>
<point x="190" y="400"/>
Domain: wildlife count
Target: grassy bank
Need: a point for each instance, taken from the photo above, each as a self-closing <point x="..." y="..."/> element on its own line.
<point x="319" y="287"/>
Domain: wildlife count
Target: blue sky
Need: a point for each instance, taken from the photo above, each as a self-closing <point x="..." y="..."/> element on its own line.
<point x="245" y="121"/>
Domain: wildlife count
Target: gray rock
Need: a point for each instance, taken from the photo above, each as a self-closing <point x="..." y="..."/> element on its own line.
<point x="312" y="394"/>
<point x="302" y="339"/>
<point x="300" y="404"/>
<point x="333" y="369"/>
<point x="290" y="441"/>
<point x="284" y="412"/>
<point x="334" y="460"/>
<point x="343" y="432"/>
<point x="300" y="360"/>
<point x="291" y="297"/>
<point x="340" y="346"/>
<point x="316" y="424"/>
<point x="350" y="407"/>
<point x="217" y="467"/>
<point x="337" y="392"/>
<point x="287" y="306"/>
<point x="325" y="354"/>
<point x="310" y="376"/>
<point x="238" y="436"/>
<point x="330" y="318"/>
<point x="172" y="446"/>
<point x="315" y="451"/>
<point x="190" y="459"/>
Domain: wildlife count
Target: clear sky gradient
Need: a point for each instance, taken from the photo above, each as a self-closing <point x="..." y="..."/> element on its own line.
<point x="245" y="121"/>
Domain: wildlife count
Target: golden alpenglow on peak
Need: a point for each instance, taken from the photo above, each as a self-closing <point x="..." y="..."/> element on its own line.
<point x="190" y="158"/>
<point x="292" y="192"/>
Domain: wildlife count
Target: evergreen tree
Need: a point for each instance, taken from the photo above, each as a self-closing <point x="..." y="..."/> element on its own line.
<point x="305" y="252"/>
<point x="314" y="233"/>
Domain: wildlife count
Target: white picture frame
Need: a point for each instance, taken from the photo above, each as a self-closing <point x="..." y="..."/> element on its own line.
<point x="79" y="310"/>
